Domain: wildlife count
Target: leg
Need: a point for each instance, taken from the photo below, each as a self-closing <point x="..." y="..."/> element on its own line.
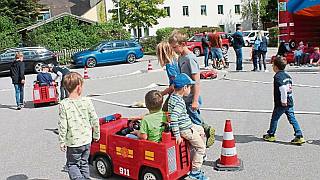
<point x="206" y="57"/>
<point x="84" y="163"/>
<point x="277" y="112"/>
<point x="17" y="93"/>
<point x="260" y="63"/>
<point x="293" y="121"/>
<point x="255" y="60"/>
<point x="194" y="114"/>
<point x="61" y="92"/>
<point x="21" y="93"/>
<point x="264" y="60"/>
<point x="74" y="162"/>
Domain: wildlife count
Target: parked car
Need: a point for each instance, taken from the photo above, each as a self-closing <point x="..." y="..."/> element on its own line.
<point x="250" y="36"/>
<point x="108" y="52"/>
<point x="34" y="58"/>
<point x="194" y="43"/>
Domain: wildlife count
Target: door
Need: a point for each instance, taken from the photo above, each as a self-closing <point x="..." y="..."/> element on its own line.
<point x="105" y="53"/>
<point x="120" y="51"/>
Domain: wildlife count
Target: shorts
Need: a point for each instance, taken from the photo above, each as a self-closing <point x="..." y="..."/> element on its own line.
<point x="216" y="53"/>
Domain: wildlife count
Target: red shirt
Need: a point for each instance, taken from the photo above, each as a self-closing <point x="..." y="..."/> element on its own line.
<point x="215" y="40"/>
<point x="315" y="56"/>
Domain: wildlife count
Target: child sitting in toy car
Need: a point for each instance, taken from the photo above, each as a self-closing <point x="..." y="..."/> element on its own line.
<point x="44" y="78"/>
<point x="151" y="126"/>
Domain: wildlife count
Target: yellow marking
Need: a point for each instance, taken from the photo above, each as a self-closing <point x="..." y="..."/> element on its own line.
<point x="149" y="155"/>
<point x="103" y="148"/>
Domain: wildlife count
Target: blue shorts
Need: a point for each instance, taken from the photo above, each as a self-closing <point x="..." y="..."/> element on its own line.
<point x="216" y="53"/>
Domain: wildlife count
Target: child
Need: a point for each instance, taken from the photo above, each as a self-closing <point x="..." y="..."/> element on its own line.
<point x="283" y="102"/>
<point x="17" y="76"/>
<point x="298" y="53"/>
<point x="315" y="57"/>
<point x="182" y="126"/>
<point x="44" y="78"/>
<point x="167" y="57"/>
<point x="61" y="72"/>
<point x="189" y="65"/>
<point x="78" y="125"/>
<point x="151" y="127"/>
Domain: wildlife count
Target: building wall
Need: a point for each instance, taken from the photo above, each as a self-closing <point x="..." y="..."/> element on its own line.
<point x="229" y="19"/>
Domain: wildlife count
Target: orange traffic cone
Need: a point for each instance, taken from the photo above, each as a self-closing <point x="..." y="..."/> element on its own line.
<point x="229" y="160"/>
<point x="149" y="66"/>
<point x="85" y="74"/>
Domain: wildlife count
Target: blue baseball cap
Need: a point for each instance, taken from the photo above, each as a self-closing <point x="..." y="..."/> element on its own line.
<point x="182" y="80"/>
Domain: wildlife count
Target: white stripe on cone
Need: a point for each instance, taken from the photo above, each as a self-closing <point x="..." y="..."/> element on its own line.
<point x="229" y="151"/>
<point x="228" y="136"/>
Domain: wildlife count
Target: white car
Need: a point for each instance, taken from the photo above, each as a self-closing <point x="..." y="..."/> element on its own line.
<point x="250" y="36"/>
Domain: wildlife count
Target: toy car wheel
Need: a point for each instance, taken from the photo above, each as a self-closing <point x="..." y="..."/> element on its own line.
<point x="197" y="51"/>
<point x="131" y="58"/>
<point x="103" y="167"/>
<point x="201" y="76"/>
<point x="91" y="62"/>
<point x="150" y="174"/>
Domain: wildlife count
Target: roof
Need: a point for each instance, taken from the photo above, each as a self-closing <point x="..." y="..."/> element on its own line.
<point x="29" y="28"/>
<point x="305" y="7"/>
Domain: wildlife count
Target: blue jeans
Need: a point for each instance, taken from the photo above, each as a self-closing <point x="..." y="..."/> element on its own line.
<point x="255" y="59"/>
<point x="78" y="162"/>
<point x="194" y="115"/>
<point x="289" y="111"/>
<point x="239" y="58"/>
<point x="19" y="93"/>
<point x="206" y="56"/>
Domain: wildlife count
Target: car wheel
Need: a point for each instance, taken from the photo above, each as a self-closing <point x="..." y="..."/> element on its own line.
<point x="37" y="67"/>
<point x="246" y="43"/>
<point x="103" y="167"/>
<point x="91" y="62"/>
<point x="131" y="58"/>
<point x="150" y="174"/>
<point x="197" y="51"/>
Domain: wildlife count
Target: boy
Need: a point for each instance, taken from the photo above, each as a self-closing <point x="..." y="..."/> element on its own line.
<point x="78" y="125"/>
<point x="283" y="102"/>
<point x="17" y="75"/>
<point x="315" y="56"/>
<point x="151" y="125"/>
<point x="44" y="78"/>
<point x="182" y="126"/>
<point x="60" y="72"/>
<point x="189" y="65"/>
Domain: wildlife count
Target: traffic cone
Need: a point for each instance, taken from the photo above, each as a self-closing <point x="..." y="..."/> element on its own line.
<point x="149" y="66"/>
<point x="229" y="160"/>
<point x="85" y="74"/>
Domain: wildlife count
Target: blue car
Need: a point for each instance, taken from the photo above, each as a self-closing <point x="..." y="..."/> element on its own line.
<point x="108" y="52"/>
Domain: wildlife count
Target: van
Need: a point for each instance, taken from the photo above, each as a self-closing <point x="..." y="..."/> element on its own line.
<point x="250" y="36"/>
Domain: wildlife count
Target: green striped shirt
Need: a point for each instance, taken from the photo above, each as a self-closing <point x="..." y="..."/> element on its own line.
<point x="78" y="122"/>
<point x="180" y="120"/>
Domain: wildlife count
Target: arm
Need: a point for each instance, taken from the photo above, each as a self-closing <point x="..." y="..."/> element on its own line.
<point x="62" y="127"/>
<point x="196" y="91"/>
<point x="168" y="90"/>
<point x="284" y="93"/>
<point x="94" y="121"/>
<point x="22" y="68"/>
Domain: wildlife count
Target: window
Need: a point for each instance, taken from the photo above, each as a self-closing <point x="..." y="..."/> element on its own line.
<point x="44" y="15"/>
<point x="203" y="10"/>
<point x="237" y="9"/>
<point x="220" y="9"/>
<point x="221" y="27"/>
<point x="185" y="10"/>
<point x="119" y="44"/>
<point x="146" y="32"/>
<point x="167" y="9"/>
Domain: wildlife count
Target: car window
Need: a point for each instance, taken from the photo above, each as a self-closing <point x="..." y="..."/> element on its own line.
<point x="246" y="33"/>
<point x="131" y="44"/>
<point x="119" y="45"/>
<point x="196" y="38"/>
<point x="8" y="56"/>
<point x="28" y="54"/>
<point x="107" y="46"/>
<point x="252" y="34"/>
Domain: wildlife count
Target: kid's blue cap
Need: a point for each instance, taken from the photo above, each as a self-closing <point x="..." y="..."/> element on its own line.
<point x="182" y="80"/>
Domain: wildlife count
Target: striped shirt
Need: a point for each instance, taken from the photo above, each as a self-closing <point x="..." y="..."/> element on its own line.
<point x="180" y="120"/>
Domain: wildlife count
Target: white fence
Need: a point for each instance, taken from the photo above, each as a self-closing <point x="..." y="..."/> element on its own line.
<point x="66" y="54"/>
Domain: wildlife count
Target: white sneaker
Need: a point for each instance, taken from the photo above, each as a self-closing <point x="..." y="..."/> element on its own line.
<point x="207" y="68"/>
<point x="266" y="70"/>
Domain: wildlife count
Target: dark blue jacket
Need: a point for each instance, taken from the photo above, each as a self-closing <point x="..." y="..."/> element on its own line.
<point x="281" y="78"/>
<point x="264" y="44"/>
<point x="238" y="41"/>
<point x="44" y="78"/>
<point x="17" y="72"/>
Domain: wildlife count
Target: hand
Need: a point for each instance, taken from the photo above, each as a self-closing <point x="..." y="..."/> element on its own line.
<point x="135" y="132"/>
<point x="95" y="140"/>
<point x="22" y="81"/>
<point x="179" y="140"/>
<point x="284" y="104"/>
<point x="195" y="105"/>
<point x="63" y="147"/>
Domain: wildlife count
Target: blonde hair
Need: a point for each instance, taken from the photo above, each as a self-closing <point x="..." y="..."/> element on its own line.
<point x="177" y="37"/>
<point x="165" y="53"/>
<point x="18" y="55"/>
<point x="72" y="80"/>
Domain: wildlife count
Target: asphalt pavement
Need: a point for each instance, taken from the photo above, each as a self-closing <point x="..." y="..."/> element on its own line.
<point x="29" y="144"/>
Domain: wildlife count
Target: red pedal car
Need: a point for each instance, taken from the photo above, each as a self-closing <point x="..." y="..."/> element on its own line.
<point x="44" y="94"/>
<point x="208" y="74"/>
<point x="138" y="159"/>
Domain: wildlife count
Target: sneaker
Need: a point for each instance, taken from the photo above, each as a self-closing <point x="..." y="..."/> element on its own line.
<point x="266" y="70"/>
<point x="269" y="137"/>
<point x="18" y="107"/>
<point x="207" y="68"/>
<point x="210" y="136"/>
<point x="197" y="175"/>
<point x="298" y="140"/>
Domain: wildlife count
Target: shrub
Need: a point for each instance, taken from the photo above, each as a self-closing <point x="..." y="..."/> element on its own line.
<point x="8" y="35"/>
<point x="273" y="36"/>
<point x="149" y="45"/>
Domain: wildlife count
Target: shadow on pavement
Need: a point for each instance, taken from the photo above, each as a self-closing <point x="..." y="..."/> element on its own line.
<point x="22" y="177"/>
<point x="208" y="163"/>
<point x="6" y="106"/>
<point x="55" y="131"/>
<point x="241" y="138"/>
<point x="313" y="142"/>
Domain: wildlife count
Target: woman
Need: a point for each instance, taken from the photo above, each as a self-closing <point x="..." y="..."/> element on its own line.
<point x="18" y="79"/>
<point x="263" y="48"/>
<point x="168" y="58"/>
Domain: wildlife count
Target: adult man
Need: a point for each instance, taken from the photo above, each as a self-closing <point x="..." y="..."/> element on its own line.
<point x="60" y="72"/>
<point x="237" y="44"/>
<point x="205" y="46"/>
<point x="17" y="75"/>
<point x="216" y="45"/>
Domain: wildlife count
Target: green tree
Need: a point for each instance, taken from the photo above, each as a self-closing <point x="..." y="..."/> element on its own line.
<point x="139" y="13"/>
<point x="270" y="16"/>
<point x="8" y="33"/>
<point x="253" y="10"/>
<point x="22" y="12"/>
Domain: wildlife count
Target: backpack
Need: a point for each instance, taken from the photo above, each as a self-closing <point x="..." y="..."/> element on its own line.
<point x="256" y="44"/>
